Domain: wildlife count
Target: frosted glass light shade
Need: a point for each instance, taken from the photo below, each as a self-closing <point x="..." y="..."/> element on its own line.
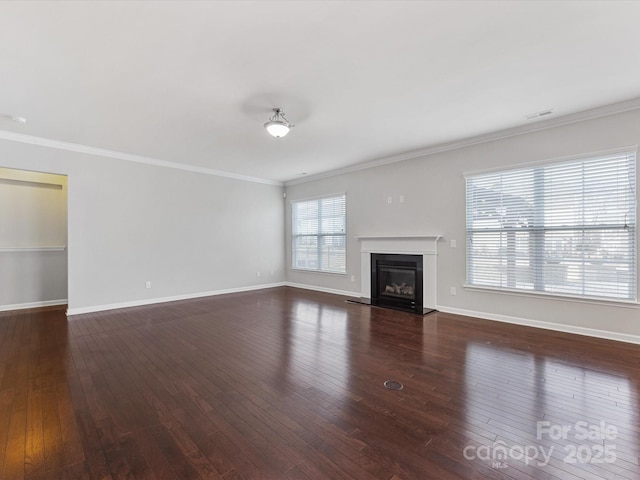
<point x="277" y="128"/>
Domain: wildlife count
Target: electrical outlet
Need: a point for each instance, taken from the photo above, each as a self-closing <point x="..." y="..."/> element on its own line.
<point x="453" y="291"/>
<point x="389" y="199"/>
<point x="453" y="243"/>
<point x="258" y="274"/>
<point x="401" y="198"/>
<point x="353" y="278"/>
<point x="147" y="285"/>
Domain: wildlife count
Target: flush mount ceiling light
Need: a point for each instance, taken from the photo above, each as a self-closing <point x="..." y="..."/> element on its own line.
<point x="278" y="126"/>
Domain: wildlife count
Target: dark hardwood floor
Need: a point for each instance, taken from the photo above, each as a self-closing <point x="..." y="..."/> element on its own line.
<point x="288" y="384"/>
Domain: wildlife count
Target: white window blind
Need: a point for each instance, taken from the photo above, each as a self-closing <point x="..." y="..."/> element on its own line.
<point x="319" y="234"/>
<point x="565" y="228"/>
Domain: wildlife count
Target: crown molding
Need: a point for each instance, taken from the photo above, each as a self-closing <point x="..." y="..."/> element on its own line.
<point x="585" y="115"/>
<point x="129" y="157"/>
<point x="577" y="117"/>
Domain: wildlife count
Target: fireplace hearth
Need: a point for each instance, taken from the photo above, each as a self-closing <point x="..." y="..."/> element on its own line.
<point x="396" y="281"/>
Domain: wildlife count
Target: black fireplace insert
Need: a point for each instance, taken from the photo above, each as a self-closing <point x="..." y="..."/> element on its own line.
<point x="396" y="281"/>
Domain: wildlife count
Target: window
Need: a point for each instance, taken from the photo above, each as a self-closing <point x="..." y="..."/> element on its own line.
<point x="319" y="234"/>
<point x="565" y="228"/>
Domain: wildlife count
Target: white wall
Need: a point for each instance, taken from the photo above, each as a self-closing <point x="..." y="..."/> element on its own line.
<point x="187" y="233"/>
<point x="434" y="191"/>
<point x="33" y="238"/>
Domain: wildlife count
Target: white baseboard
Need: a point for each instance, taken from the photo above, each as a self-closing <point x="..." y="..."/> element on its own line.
<point x="590" y="332"/>
<point x="22" y="306"/>
<point x="323" y="289"/>
<point x="558" y="327"/>
<point x="152" y="301"/>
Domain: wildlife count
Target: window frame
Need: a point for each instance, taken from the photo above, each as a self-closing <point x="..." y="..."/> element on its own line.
<point x="536" y="257"/>
<point x="319" y="235"/>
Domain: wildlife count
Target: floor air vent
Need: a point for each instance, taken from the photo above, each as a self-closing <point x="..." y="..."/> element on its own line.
<point x="393" y="385"/>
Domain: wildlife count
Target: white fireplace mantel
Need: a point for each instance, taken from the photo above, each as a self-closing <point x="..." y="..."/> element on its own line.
<point x="425" y="245"/>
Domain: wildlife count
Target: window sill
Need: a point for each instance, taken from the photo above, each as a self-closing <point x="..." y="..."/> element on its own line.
<point x="555" y="296"/>
<point x="309" y="270"/>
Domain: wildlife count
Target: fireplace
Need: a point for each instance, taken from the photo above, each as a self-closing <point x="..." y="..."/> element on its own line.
<point x="396" y="281"/>
<point x="397" y="247"/>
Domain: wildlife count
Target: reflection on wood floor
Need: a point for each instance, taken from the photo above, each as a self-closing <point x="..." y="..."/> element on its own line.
<point x="288" y="384"/>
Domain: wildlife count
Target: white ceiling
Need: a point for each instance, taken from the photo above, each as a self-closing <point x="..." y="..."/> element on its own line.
<point x="193" y="82"/>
